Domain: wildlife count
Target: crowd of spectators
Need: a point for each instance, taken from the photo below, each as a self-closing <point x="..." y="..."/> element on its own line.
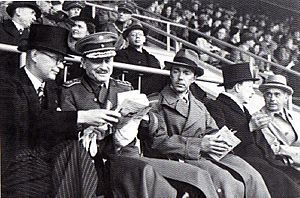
<point x="275" y="40"/>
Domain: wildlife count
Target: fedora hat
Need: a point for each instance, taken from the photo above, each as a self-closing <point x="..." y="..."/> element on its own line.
<point x="186" y="58"/>
<point x="21" y="4"/>
<point x="134" y="26"/>
<point x="236" y="73"/>
<point x="276" y="81"/>
<point x="46" y="37"/>
<point x="98" y="45"/>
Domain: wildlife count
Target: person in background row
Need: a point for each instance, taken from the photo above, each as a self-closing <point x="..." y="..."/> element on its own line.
<point x="73" y="8"/>
<point x="229" y="110"/>
<point x="15" y="30"/>
<point x="279" y="126"/>
<point x="83" y="26"/>
<point x="135" y="54"/>
<point x="40" y="153"/>
<point x="46" y="9"/>
<point x="129" y="174"/>
<point x="187" y="132"/>
<point x="124" y="20"/>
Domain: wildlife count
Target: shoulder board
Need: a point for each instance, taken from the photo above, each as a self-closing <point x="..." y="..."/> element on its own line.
<point x="126" y="83"/>
<point x="72" y="82"/>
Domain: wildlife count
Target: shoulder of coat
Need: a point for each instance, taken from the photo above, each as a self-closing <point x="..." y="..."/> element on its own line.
<point x="72" y="82"/>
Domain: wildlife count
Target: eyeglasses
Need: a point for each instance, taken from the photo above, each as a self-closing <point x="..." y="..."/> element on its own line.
<point x="59" y="60"/>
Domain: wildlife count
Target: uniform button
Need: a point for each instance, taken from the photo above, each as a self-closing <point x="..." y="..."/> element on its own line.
<point x="95" y="99"/>
<point x="219" y="190"/>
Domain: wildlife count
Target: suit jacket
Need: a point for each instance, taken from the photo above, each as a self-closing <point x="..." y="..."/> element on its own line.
<point x="9" y="34"/>
<point x="180" y="137"/>
<point x="150" y="82"/>
<point x="227" y="113"/>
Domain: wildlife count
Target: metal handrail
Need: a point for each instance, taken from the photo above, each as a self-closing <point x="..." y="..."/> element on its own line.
<point x="206" y="36"/>
<point x="123" y="66"/>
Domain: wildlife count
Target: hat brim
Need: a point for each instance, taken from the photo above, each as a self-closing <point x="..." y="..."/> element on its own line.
<point x="198" y="71"/>
<point x="238" y="81"/>
<point x="125" y="9"/>
<point x="11" y="7"/>
<point x="24" y="48"/>
<point x="285" y="88"/>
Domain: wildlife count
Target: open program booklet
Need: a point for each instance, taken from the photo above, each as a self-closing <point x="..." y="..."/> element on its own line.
<point x="131" y="105"/>
<point x="227" y="136"/>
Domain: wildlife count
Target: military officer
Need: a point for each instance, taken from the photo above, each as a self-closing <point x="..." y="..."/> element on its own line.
<point x="130" y="175"/>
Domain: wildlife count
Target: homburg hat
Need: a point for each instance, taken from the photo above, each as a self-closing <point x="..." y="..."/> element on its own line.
<point x="236" y="73"/>
<point x="186" y="58"/>
<point x="98" y="45"/>
<point x="46" y="37"/>
<point x="276" y="81"/>
<point x="21" y="4"/>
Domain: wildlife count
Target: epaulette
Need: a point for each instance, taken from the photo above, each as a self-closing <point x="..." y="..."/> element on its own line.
<point x="126" y="83"/>
<point x="72" y="82"/>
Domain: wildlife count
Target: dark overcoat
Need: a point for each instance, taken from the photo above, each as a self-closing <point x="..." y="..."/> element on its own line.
<point x="181" y="138"/>
<point x="33" y="137"/>
<point x="10" y="35"/>
<point x="79" y="95"/>
<point x="227" y="113"/>
<point x="150" y="82"/>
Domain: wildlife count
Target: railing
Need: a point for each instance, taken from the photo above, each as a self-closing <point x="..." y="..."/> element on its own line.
<point x="197" y="48"/>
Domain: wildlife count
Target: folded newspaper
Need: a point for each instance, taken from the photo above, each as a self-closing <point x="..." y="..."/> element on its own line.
<point x="131" y="105"/>
<point x="229" y="138"/>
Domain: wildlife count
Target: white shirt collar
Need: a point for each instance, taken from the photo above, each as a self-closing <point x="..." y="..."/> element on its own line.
<point x="235" y="99"/>
<point x="18" y="26"/>
<point x="34" y="80"/>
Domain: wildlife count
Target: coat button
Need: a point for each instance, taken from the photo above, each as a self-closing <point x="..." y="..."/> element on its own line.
<point x="95" y="99"/>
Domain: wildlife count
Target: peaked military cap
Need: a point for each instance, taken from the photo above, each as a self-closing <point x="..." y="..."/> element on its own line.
<point x="67" y="5"/>
<point x="98" y="45"/>
<point x="127" y="6"/>
<point x="21" y="4"/>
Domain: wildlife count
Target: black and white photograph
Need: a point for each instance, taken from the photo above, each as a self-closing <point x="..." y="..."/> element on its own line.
<point x="150" y="99"/>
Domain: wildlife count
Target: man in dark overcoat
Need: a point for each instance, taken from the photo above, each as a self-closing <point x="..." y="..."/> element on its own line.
<point x="187" y="133"/>
<point x="14" y="30"/>
<point x="40" y="154"/>
<point x="136" y="54"/>
<point x="228" y="110"/>
<point x="130" y="174"/>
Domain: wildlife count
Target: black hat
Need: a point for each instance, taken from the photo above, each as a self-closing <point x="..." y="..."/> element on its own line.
<point x="67" y="5"/>
<point x="236" y="73"/>
<point x="20" y="4"/>
<point x="134" y="26"/>
<point x="98" y="45"/>
<point x="127" y="6"/>
<point x="186" y="58"/>
<point x="84" y="16"/>
<point x="204" y="28"/>
<point x="46" y="37"/>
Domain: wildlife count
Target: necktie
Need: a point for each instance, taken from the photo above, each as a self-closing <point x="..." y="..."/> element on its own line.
<point x="40" y="93"/>
<point x="102" y="94"/>
<point x="248" y="115"/>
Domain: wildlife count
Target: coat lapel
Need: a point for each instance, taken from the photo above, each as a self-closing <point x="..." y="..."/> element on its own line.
<point x="232" y="104"/>
<point x="195" y="110"/>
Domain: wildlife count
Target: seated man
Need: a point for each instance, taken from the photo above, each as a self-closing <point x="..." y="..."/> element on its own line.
<point x="187" y="132"/>
<point x="279" y="126"/>
<point x="40" y="154"/>
<point x="136" y="54"/>
<point x="229" y="110"/>
<point x="130" y="175"/>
